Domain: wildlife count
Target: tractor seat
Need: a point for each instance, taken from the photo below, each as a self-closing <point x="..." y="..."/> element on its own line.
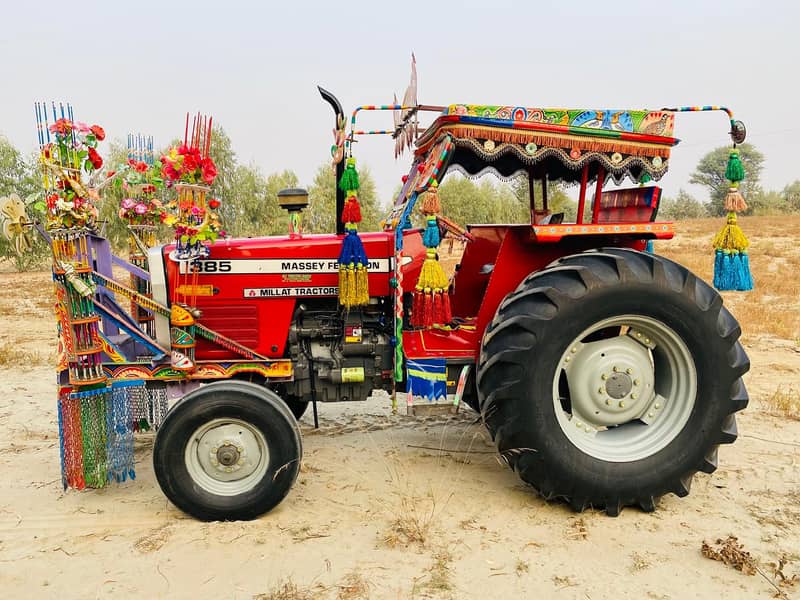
<point x="629" y="205"/>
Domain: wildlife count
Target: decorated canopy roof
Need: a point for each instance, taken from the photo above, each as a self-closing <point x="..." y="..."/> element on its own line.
<point x="557" y="142"/>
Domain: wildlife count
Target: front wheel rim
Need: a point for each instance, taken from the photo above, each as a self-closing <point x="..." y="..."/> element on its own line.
<point x="624" y="388"/>
<point x="227" y="457"/>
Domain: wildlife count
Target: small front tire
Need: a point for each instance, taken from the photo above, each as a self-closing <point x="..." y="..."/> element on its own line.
<point x="230" y="450"/>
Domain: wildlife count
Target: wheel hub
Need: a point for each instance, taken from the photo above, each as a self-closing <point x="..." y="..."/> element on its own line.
<point x="624" y="388"/>
<point x="619" y="385"/>
<point x="610" y="381"/>
<point x="228" y="455"/>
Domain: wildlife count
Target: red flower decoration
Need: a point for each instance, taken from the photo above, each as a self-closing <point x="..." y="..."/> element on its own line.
<point x="99" y="132"/>
<point x="209" y="170"/>
<point x="61" y="127"/>
<point x="95" y="158"/>
<point x="213" y="204"/>
<point x="141" y="167"/>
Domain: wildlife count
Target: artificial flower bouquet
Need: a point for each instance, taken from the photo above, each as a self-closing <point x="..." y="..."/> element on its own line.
<point x="69" y="202"/>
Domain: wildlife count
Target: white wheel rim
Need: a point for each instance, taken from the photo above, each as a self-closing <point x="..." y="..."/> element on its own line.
<point x="227" y="457"/>
<point x="627" y="396"/>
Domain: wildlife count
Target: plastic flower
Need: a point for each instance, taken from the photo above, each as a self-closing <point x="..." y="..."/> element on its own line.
<point x="81" y="127"/>
<point x="127" y="203"/>
<point x="140" y="209"/>
<point x="98" y="132"/>
<point x="213" y="204"/>
<point x="61" y="127"/>
<point x="141" y="167"/>
<point x="94" y="158"/>
<point x="209" y="170"/>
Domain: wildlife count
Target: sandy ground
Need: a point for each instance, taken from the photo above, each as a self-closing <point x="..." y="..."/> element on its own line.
<point x="385" y="507"/>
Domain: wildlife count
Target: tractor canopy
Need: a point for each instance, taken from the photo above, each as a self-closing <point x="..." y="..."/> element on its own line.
<point x="555" y="143"/>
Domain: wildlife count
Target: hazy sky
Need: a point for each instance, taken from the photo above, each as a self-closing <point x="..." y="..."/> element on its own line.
<point x="254" y="66"/>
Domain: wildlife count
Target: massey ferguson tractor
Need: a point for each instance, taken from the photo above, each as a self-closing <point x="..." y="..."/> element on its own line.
<point x="607" y="375"/>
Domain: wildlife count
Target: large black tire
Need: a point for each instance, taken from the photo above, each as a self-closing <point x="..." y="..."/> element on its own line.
<point x="522" y="380"/>
<point x="232" y="425"/>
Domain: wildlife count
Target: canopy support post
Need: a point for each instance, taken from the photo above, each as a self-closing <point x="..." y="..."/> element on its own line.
<point x="582" y="198"/>
<point x="601" y="175"/>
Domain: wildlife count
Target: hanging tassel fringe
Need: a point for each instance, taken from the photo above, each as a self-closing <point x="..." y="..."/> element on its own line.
<point x="431" y="237"/>
<point x="430" y="202"/>
<point x="353" y="274"/>
<point x="734" y="201"/>
<point x="349" y="181"/>
<point x="731" y="236"/>
<point x="734" y="172"/>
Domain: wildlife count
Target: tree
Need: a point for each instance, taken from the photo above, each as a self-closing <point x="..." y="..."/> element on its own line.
<point x="557" y="199"/>
<point x="321" y="218"/>
<point x="684" y="206"/>
<point x="791" y="195"/>
<point x="710" y="172"/>
<point x="20" y="176"/>
<point x="465" y="201"/>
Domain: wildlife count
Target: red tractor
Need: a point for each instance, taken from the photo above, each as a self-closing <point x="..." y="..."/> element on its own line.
<point x="607" y="375"/>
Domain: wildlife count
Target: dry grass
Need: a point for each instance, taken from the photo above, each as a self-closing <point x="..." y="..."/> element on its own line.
<point x="289" y="590"/>
<point x="438" y="578"/>
<point x="414" y="521"/>
<point x="772" y="307"/>
<point x="12" y="355"/>
<point x="353" y="587"/>
<point x="784" y="403"/>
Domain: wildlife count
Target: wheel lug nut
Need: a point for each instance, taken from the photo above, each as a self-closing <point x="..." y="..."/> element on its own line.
<point x="629" y="370"/>
<point x="633" y="396"/>
<point x="603" y="376"/>
<point x="574" y="350"/>
<point x="567" y="359"/>
<point x="588" y="429"/>
<point x="621" y="404"/>
<point x="608" y="401"/>
<point x="616" y="369"/>
<point x="635" y="382"/>
<point x="601" y="390"/>
<point x="651" y="414"/>
<point x="658" y="405"/>
<point x="646" y="340"/>
<point x="578" y="424"/>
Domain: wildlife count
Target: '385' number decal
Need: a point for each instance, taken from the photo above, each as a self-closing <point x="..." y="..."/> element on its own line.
<point x="212" y="266"/>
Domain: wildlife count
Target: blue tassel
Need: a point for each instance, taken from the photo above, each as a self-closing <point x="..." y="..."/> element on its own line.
<point x="352" y="250"/>
<point x="649" y="247"/>
<point x="724" y="269"/>
<point x="736" y="270"/>
<point x="718" y="266"/>
<point x="431" y="236"/>
<point x="746" y="278"/>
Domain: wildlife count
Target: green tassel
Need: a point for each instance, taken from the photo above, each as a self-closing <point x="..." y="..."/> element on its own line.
<point x="645" y="178"/>
<point x="735" y="170"/>
<point x="349" y="180"/>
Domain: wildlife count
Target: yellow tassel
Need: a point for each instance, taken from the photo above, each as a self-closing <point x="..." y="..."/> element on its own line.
<point x="350" y="298"/>
<point x="734" y="201"/>
<point x="362" y="286"/>
<point x="432" y="275"/>
<point x="731" y="236"/>
<point x="343" y="289"/>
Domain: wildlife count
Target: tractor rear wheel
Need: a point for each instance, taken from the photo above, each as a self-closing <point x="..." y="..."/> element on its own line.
<point x="229" y="450"/>
<point x="610" y="378"/>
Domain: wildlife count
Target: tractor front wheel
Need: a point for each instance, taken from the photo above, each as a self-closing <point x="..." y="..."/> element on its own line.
<point x="230" y="450"/>
<point x="610" y="378"/>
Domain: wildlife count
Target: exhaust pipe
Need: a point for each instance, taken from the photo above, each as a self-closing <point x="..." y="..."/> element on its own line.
<point x="338" y="112"/>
